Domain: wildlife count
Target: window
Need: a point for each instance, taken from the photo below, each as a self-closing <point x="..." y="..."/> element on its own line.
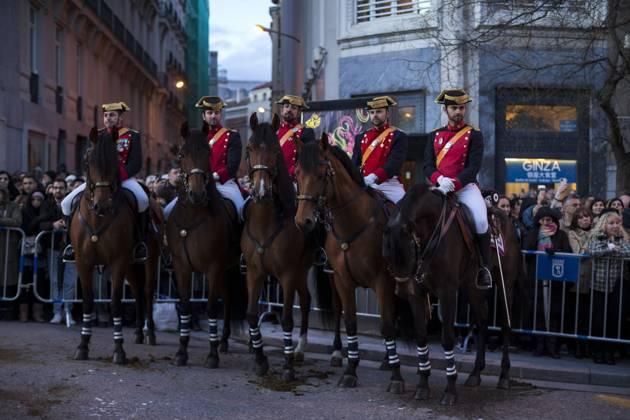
<point x="409" y="114"/>
<point x="59" y="56"/>
<point x="79" y="64"/>
<point x="36" y="150"/>
<point x="545" y="118"/>
<point x="32" y="36"/>
<point x="368" y="10"/>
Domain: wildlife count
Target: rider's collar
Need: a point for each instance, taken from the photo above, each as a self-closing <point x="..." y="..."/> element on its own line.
<point x="215" y="128"/>
<point x="288" y="125"/>
<point x="381" y="128"/>
<point x="456" y="127"/>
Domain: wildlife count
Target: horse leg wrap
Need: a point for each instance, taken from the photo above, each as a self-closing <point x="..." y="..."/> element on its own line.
<point x="353" y="348"/>
<point x="256" y="337"/>
<point x="424" y="364"/>
<point x="288" y="343"/>
<point x="392" y="355"/>
<point x="451" y="370"/>
<point x="213" y="331"/>
<point x="86" y="327"/>
<point x="184" y="326"/>
<point x="118" y="335"/>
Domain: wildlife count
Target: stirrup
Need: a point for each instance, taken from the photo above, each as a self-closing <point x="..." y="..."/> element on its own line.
<point x="320" y="257"/>
<point x="242" y="264"/>
<point x="140" y="253"/>
<point x="68" y="254"/>
<point x="483" y="286"/>
<point x="328" y="269"/>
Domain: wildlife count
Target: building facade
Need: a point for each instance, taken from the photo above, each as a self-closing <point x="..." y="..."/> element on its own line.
<point x="197" y="56"/>
<point x="534" y="81"/>
<point x="63" y="59"/>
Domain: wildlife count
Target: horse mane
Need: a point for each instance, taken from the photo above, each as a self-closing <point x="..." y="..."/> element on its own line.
<point x="412" y="195"/>
<point x="195" y="144"/>
<point x="103" y="157"/>
<point x="265" y="135"/>
<point x="309" y="160"/>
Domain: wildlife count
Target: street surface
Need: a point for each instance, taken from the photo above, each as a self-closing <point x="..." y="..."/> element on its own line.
<point x="40" y="380"/>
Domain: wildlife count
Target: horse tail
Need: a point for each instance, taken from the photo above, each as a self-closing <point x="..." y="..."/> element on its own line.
<point x="325" y="294"/>
<point x="404" y="321"/>
<point x="236" y="288"/>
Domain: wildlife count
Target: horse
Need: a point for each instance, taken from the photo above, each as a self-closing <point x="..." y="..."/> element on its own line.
<point x="100" y="235"/>
<point x="332" y="191"/>
<point x="202" y="233"/>
<point x="272" y="244"/>
<point x="428" y="247"/>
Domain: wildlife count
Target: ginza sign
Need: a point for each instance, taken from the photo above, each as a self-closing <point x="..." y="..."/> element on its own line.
<point x="541" y="165"/>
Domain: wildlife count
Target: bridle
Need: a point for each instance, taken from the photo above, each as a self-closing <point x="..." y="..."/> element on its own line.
<point x="185" y="185"/>
<point x="91" y="187"/>
<point x="271" y="171"/>
<point x="320" y="200"/>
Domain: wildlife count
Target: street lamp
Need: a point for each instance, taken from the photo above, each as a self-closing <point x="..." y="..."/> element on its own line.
<point x="271" y="31"/>
<point x="261" y="109"/>
<point x="179" y="84"/>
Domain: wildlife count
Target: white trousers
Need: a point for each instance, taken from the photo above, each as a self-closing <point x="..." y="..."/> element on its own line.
<point x="470" y="196"/>
<point x="229" y="190"/>
<point x="392" y="188"/>
<point x="129" y="184"/>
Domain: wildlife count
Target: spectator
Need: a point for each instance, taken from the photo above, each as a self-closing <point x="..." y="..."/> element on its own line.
<point x="515" y="207"/>
<point x="6" y="183"/>
<point x="608" y="244"/>
<point x="504" y="205"/>
<point x="70" y="180"/>
<point x="54" y="221"/>
<point x="616" y="204"/>
<point x="596" y="208"/>
<point x="48" y="177"/>
<point x="547" y="236"/>
<point x="151" y="184"/>
<point x="77" y="182"/>
<point x="10" y="217"/>
<point x="561" y="194"/>
<point x="29" y="184"/>
<point x="625" y="199"/>
<point x="569" y="205"/>
<point x="31" y="218"/>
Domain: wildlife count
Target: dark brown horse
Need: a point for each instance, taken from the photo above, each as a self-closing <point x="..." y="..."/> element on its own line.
<point x="272" y="244"/>
<point x="101" y="235"/>
<point x="202" y="234"/>
<point x="332" y="191"/>
<point x="427" y="251"/>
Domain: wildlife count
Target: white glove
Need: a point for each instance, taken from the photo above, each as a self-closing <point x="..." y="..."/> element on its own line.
<point x="370" y="179"/>
<point x="215" y="176"/>
<point x="442" y="190"/>
<point x="446" y="184"/>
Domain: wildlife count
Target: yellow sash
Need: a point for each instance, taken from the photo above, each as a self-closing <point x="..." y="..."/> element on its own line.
<point x="449" y="145"/>
<point x="289" y="133"/>
<point x="375" y="144"/>
<point x="217" y="136"/>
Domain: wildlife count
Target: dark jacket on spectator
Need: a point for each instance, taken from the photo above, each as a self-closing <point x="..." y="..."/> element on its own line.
<point x="50" y="212"/>
<point x="10" y="217"/>
<point x="31" y="218"/>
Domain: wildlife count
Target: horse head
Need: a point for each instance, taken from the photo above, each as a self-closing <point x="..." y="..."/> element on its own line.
<point x="263" y="156"/>
<point x="409" y="230"/>
<point x="193" y="158"/>
<point x="102" y="170"/>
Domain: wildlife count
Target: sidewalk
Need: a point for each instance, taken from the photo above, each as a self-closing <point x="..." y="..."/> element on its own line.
<point x="523" y="365"/>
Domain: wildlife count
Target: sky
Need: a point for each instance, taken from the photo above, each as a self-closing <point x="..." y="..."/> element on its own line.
<point x="243" y="50"/>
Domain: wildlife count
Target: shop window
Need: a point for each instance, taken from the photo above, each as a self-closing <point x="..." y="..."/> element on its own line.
<point x="545" y="118"/>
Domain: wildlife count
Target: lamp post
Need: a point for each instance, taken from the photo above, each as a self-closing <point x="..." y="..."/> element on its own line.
<point x="271" y="31"/>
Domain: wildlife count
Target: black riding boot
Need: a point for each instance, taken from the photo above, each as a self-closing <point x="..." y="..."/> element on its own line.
<point x="484" y="278"/>
<point x="140" y="251"/>
<point x="68" y="252"/>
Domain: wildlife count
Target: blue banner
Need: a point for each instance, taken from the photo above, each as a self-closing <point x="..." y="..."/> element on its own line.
<point x="545" y="171"/>
<point x="558" y="267"/>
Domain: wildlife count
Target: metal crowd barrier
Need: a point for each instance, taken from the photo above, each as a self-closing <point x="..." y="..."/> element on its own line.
<point x="7" y="236"/>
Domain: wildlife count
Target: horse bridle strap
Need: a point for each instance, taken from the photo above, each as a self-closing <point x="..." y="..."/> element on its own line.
<point x="262" y="247"/>
<point x="102" y="184"/>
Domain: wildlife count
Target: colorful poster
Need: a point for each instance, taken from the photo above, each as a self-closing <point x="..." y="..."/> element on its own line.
<point x="341" y="125"/>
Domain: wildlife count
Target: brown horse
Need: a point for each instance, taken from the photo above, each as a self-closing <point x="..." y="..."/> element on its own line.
<point x="332" y="191"/>
<point x="426" y="248"/>
<point x="202" y="233"/>
<point x="272" y="244"/>
<point x="100" y="235"/>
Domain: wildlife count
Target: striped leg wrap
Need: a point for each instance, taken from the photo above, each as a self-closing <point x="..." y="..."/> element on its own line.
<point x="392" y="356"/>
<point x="256" y="337"/>
<point x="86" y="326"/>
<point x="118" y="335"/>
<point x="423" y="359"/>
<point x="184" y="325"/>
<point x="288" y="343"/>
<point x="213" y="330"/>
<point x="353" y="347"/>
<point x="450" y="363"/>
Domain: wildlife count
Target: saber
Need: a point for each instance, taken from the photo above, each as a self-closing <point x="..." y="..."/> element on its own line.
<point x="507" y="311"/>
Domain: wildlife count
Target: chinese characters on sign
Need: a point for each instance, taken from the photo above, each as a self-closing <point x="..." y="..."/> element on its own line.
<point x="540" y="170"/>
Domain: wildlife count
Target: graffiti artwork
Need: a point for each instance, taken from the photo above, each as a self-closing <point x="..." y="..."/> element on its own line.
<point x="341" y="125"/>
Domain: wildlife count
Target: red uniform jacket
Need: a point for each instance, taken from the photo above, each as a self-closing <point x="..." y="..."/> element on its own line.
<point x="289" y="148"/>
<point x="225" y="153"/>
<point x="463" y="159"/>
<point x="386" y="159"/>
<point x="129" y="153"/>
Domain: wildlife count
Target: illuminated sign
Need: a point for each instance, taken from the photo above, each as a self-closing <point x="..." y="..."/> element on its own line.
<point x="544" y="171"/>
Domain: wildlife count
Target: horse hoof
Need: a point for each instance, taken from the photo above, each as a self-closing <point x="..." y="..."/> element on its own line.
<point x="150" y="339"/>
<point x="448" y="399"/>
<point x="336" y="361"/>
<point x="384" y="365"/>
<point x="263" y="367"/>
<point x="223" y="347"/>
<point x="81" y="354"/>
<point x="288" y="375"/>
<point x="119" y="358"/>
<point x="181" y="359"/>
<point x="396" y="387"/>
<point x="422" y="394"/>
<point x="473" y="381"/>
<point x="504" y="383"/>
<point x="212" y="362"/>
<point x="347" y="381"/>
<point x="298" y="357"/>
<point x="138" y="339"/>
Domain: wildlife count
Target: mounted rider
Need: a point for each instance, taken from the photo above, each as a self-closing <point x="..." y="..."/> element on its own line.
<point x="381" y="151"/>
<point x="129" y="149"/>
<point x="452" y="160"/>
<point x="225" y="153"/>
<point x="291" y="130"/>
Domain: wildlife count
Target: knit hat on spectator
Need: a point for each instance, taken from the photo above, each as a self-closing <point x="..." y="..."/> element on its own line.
<point x="71" y="178"/>
<point x="545" y="211"/>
